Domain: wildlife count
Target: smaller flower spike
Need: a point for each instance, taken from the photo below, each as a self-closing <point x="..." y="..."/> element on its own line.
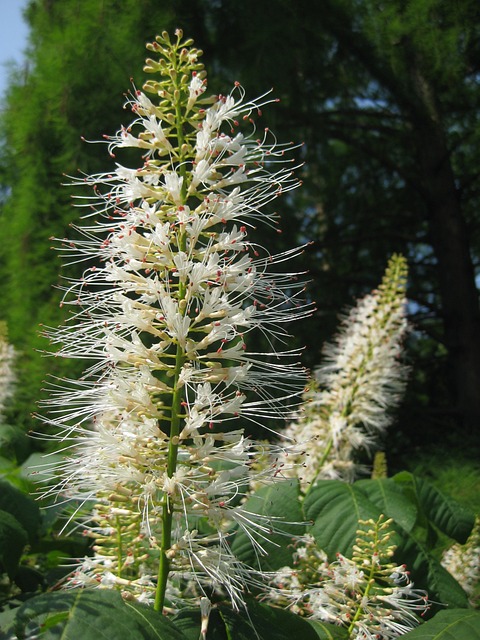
<point x="367" y="594"/>
<point x="172" y="288"/>
<point x="360" y="380"/>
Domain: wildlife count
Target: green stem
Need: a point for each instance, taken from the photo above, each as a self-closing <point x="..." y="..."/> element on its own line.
<point x="178" y="392"/>
<point x="370" y="583"/>
<point x="168" y="507"/>
<point x="325" y="455"/>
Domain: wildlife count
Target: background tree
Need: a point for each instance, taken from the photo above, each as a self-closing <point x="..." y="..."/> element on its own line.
<point x="80" y="58"/>
<point x="385" y="96"/>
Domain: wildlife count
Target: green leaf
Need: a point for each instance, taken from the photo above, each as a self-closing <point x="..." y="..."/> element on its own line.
<point x="91" y="615"/>
<point x="279" y="501"/>
<point x="260" y="622"/>
<point x="39" y="467"/>
<point x="391" y="500"/>
<point x="14" y="443"/>
<point x="335" y="507"/>
<point x="427" y="573"/>
<point x="7" y="616"/>
<point x="453" y="624"/>
<point x="452" y="518"/>
<point x="188" y="621"/>
<point x="328" y="631"/>
<point x="13" y="539"/>
<point x="272" y="623"/>
<point x="22" y="507"/>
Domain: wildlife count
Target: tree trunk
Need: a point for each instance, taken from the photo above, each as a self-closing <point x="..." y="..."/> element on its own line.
<point x="456" y="276"/>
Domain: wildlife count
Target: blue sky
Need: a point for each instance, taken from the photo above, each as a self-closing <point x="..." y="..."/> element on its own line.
<point x="13" y="36"/>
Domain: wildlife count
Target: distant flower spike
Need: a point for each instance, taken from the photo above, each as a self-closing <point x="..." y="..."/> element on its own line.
<point x="360" y="380"/>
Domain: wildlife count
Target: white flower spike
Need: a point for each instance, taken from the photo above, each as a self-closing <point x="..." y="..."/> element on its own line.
<point x="172" y="289"/>
<point x="361" y="379"/>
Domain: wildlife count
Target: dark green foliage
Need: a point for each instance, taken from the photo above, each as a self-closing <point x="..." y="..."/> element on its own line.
<point x="439" y="510"/>
<point x="418" y="511"/>
<point x="102" y="614"/>
<point x="274" y="501"/>
<point x="385" y="98"/>
<point x="331" y="511"/>
<point x="19" y="525"/>
<point x="22" y="507"/>
<point x="449" y="625"/>
<point x="14" y="444"/>
<point x="13" y="538"/>
<point x="90" y="615"/>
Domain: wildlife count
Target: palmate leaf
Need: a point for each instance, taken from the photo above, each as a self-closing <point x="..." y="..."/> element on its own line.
<point x="389" y="497"/>
<point x="279" y="501"/>
<point x="90" y="615"/>
<point x="22" y="507"/>
<point x="261" y="622"/>
<point x="449" y="516"/>
<point x="453" y="624"/>
<point x="427" y="573"/>
<point x="335" y="507"/>
<point x="13" y="539"/>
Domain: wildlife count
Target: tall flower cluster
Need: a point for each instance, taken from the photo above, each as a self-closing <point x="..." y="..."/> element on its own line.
<point x="347" y="406"/>
<point x="7" y="372"/>
<point x="172" y="287"/>
<point x="367" y="594"/>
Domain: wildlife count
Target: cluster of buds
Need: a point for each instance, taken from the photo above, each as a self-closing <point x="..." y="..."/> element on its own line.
<point x="366" y="594"/>
<point x="172" y="287"/>
<point x="346" y="408"/>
